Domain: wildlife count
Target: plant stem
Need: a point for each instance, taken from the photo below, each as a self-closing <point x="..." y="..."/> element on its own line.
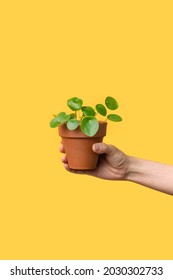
<point x="79" y="114"/>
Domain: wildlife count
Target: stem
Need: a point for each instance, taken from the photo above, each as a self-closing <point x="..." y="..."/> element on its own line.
<point x="106" y="118"/>
<point x="79" y="114"/>
<point x="82" y="117"/>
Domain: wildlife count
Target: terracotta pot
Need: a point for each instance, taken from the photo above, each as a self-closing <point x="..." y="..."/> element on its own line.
<point x="78" y="146"/>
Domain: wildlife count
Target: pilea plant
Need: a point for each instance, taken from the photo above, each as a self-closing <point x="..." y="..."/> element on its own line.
<point x="86" y="116"/>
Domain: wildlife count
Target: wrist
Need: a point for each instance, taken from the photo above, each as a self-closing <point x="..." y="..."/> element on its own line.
<point x="133" y="168"/>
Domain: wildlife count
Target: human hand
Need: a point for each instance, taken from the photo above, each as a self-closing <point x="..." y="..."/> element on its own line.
<point x="112" y="164"/>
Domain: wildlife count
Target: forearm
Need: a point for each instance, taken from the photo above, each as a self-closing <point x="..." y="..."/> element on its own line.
<point x="151" y="174"/>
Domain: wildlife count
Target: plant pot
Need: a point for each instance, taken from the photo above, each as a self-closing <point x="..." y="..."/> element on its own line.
<point x="78" y="146"/>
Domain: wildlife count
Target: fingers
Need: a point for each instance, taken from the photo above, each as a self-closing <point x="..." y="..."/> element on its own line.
<point x="99" y="148"/>
<point x="65" y="163"/>
<point x="61" y="149"/>
<point x="102" y="148"/>
<point x="64" y="159"/>
<point x="66" y="166"/>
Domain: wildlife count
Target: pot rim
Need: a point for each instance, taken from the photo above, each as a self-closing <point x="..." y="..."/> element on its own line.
<point x="64" y="132"/>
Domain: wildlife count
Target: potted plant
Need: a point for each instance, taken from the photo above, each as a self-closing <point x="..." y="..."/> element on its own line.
<point x="81" y="129"/>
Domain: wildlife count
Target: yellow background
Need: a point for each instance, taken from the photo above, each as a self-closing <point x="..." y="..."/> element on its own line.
<point x="54" y="50"/>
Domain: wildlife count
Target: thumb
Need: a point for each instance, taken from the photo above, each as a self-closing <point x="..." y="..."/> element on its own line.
<point x="102" y="148"/>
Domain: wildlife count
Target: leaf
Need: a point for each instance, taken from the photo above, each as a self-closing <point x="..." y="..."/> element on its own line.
<point x="101" y="109"/>
<point x="72" y="124"/>
<point x="75" y="103"/>
<point x="88" y="111"/>
<point x="111" y="103"/>
<point x="89" y="126"/>
<point x="62" y="117"/>
<point x="114" y="118"/>
<point x="54" y="123"/>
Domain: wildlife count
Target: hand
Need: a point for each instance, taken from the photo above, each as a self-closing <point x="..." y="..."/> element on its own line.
<point x="112" y="164"/>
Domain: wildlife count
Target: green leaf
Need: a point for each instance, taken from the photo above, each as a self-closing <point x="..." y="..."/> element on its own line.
<point x="54" y="123"/>
<point x="111" y="103"/>
<point x="101" y="109"/>
<point x="114" y="118"/>
<point x="89" y="126"/>
<point x="62" y="117"/>
<point x="75" y="103"/>
<point x="88" y="111"/>
<point x="72" y="124"/>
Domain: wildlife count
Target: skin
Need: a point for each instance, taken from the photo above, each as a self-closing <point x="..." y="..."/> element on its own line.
<point x="115" y="165"/>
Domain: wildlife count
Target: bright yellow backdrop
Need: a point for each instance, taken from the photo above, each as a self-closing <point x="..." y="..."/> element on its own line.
<point x="54" y="50"/>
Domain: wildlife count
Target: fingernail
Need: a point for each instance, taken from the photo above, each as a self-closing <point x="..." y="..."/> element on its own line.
<point x="96" y="147"/>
